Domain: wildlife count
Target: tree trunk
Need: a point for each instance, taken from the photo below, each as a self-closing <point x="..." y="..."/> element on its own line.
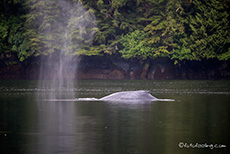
<point x="145" y="70"/>
<point x="5" y="7"/>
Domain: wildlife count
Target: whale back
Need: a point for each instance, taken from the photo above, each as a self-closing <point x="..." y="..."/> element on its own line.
<point x="129" y="95"/>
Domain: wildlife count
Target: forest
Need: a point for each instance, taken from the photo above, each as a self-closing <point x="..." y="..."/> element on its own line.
<point x="179" y="30"/>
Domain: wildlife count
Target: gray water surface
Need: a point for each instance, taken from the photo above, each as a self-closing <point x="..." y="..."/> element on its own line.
<point x="196" y="122"/>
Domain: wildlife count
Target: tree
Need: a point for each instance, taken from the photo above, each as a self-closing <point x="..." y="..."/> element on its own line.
<point x="11" y="34"/>
<point x="160" y="28"/>
<point x="54" y="26"/>
<point x="134" y="46"/>
<point x="114" y="18"/>
<point x="207" y="33"/>
<point x="179" y="30"/>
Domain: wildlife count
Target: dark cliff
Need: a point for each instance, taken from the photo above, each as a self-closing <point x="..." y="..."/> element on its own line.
<point x="100" y="67"/>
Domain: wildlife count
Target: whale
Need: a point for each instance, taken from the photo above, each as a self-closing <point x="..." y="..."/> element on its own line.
<point x="123" y="96"/>
<point x="139" y="95"/>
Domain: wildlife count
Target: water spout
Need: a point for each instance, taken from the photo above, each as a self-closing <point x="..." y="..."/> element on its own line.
<point x="72" y="29"/>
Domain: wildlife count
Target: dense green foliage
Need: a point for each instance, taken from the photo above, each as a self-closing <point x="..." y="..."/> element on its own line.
<point x="143" y="29"/>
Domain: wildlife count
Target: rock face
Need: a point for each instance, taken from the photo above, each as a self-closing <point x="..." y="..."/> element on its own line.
<point x="158" y="69"/>
<point x="11" y="72"/>
<point x="101" y="67"/>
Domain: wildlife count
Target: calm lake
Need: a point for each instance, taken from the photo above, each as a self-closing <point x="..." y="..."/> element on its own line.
<point x="196" y="122"/>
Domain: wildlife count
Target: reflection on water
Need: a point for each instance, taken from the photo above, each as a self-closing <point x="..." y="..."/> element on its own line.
<point x="57" y="126"/>
<point x="200" y="114"/>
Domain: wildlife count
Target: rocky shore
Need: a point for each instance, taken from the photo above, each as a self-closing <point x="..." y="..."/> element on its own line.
<point x="101" y="67"/>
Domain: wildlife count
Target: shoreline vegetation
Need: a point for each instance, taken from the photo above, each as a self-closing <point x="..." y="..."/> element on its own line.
<point x="133" y="39"/>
